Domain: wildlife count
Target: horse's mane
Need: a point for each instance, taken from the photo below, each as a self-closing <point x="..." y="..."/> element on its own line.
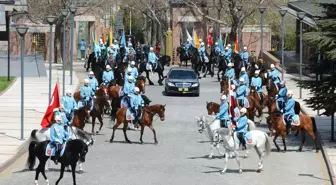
<point x="224" y="131"/>
<point x="208" y="118"/>
<point x="142" y="78"/>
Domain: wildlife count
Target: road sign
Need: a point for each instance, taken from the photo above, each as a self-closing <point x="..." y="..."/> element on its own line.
<point x="119" y="24"/>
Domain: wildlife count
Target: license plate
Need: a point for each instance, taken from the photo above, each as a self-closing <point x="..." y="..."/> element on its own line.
<point x="180" y="89"/>
<point x="186" y="89"/>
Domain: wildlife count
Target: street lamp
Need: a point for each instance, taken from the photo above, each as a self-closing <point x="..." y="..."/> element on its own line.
<point x="50" y="20"/>
<point x="301" y="16"/>
<point x="262" y="10"/>
<point x="64" y="13"/>
<point x="283" y="12"/>
<point x="22" y="30"/>
<point x="73" y="10"/>
<point x="239" y="8"/>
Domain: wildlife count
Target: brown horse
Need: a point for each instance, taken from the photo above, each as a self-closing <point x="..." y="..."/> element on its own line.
<point x="113" y="91"/>
<point x="272" y="108"/>
<point x="224" y="85"/>
<point x="146" y="120"/>
<point x="253" y="106"/>
<point x="256" y="96"/>
<point x="80" y="116"/>
<point x="100" y="102"/>
<point x="212" y="107"/>
<point x="271" y="87"/>
<point x="279" y="128"/>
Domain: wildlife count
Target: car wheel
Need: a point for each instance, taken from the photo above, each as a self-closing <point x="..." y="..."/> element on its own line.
<point x="166" y="93"/>
<point x="197" y="94"/>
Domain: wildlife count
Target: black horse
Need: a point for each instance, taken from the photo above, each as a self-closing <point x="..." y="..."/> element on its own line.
<point x="210" y="65"/>
<point x="163" y="60"/>
<point x="75" y="150"/>
<point x="195" y="60"/>
<point x="238" y="64"/>
<point x="183" y="55"/>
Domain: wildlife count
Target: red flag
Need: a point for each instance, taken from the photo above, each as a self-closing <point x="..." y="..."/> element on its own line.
<point x="54" y="103"/>
<point x="210" y="41"/>
<point x="236" y="44"/>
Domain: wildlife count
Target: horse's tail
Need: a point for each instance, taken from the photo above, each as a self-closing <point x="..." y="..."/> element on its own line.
<point x="31" y="156"/>
<point x="33" y="134"/>
<point x="267" y="144"/>
<point x="314" y="124"/>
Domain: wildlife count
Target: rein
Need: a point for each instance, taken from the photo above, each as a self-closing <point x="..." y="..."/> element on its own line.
<point x="153" y="114"/>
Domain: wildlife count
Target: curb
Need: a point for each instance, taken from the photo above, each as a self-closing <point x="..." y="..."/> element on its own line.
<point x="10" y="85"/>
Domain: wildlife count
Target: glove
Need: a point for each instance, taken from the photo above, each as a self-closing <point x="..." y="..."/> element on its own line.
<point x="76" y="108"/>
<point x="281" y="111"/>
<point x="97" y="88"/>
<point x="129" y="95"/>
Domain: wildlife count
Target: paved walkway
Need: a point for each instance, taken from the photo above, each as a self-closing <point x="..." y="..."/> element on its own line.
<point x="323" y="123"/>
<point x="36" y="101"/>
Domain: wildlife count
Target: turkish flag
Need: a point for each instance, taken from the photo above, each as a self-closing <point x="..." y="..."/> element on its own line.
<point x="53" y="103"/>
<point x="210" y="41"/>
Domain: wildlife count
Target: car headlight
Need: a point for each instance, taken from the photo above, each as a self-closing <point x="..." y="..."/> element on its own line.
<point x="171" y="84"/>
<point x="195" y="85"/>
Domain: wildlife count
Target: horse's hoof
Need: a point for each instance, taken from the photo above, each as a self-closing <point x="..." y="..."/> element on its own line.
<point x="278" y="149"/>
<point x="128" y="141"/>
<point x="141" y="142"/>
<point x="97" y="132"/>
<point x="156" y="142"/>
<point x="240" y="171"/>
<point x="223" y="172"/>
<point x="80" y="171"/>
<point x="111" y="140"/>
<point x="259" y="171"/>
<point x="284" y="151"/>
<point x="151" y="83"/>
<point x="299" y="150"/>
<point x="68" y="170"/>
<point x="210" y="157"/>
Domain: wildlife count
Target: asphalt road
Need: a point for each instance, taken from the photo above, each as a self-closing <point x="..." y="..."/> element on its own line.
<point x="181" y="156"/>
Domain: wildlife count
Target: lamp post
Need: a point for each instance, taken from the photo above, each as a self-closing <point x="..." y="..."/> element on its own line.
<point x="239" y="8"/>
<point x="22" y="30"/>
<point x="262" y="10"/>
<point x="64" y="13"/>
<point x="283" y="12"/>
<point x="73" y="10"/>
<point x="301" y="16"/>
<point x="50" y="20"/>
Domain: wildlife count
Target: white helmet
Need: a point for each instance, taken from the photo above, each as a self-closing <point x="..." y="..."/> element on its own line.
<point x="256" y="72"/>
<point x="230" y="64"/>
<point x="151" y="48"/>
<point x="91" y="73"/>
<point x="226" y="48"/>
<point x="86" y="81"/>
<point x="290" y="92"/>
<point x="245" y="48"/>
<point x="68" y="91"/>
<point x="200" y="40"/>
<point x="188" y="40"/>
<point x="241" y="79"/>
<point x="108" y="67"/>
<point x="115" y="41"/>
<point x="229" y="45"/>
<point x="243" y="69"/>
<point x="132" y="63"/>
<point x="136" y="89"/>
<point x="130" y="44"/>
<point x="243" y="110"/>
<point x="223" y="97"/>
<point x="58" y="118"/>
<point x="129" y="70"/>
<point x="202" y="43"/>
<point x="233" y="86"/>
<point x="130" y="78"/>
<point x="216" y="43"/>
<point x="272" y="66"/>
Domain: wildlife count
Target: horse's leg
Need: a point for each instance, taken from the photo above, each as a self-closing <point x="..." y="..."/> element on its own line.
<point x="225" y="161"/>
<point x="218" y="150"/>
<point x="218" y="72"/>
<point x="238" y="161"/>
<point x="141" y="132"/>
<point x="80" y="167"/>
<point x="303" y="139"/>
<point x="154" y="133"/>
<point x="114" y="128"/>
<point x="47" y="165"/>
<point x="61" y="175"/>
<point x="124" y="130"/>
<point x="260" y="154"/>
<point x="149" y="80"/>
<point x="283" y="136"/>
<point x="93" y="124"/>
<point x="160" y="79"/>
<point x="39" y="169"/>
<point x="101" y="123"/>
<point x="73" y="170"/>
<point x="274" y="141"/>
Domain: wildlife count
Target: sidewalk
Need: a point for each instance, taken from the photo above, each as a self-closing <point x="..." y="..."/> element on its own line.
<point x="36" y="90"/>
<point x="323" y="123"/>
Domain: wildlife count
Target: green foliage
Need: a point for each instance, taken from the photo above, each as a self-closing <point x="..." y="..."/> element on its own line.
<point x="290" y="38"/>
<point x="4" y="83"/>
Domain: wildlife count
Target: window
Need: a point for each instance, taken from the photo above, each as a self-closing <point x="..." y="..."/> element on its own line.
<point x="178" y="74"/>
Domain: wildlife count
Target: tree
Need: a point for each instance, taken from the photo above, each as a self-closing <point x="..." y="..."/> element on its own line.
<point x="323" y="90"/>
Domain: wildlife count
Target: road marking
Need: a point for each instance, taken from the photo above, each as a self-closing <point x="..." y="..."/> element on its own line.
<point x="324" y="170"/>
<point x="10" y="169"/>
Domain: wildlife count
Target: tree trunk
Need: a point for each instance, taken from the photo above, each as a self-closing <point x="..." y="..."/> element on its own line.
<point x="57" y="42"/>
<point x="153" y="34"/>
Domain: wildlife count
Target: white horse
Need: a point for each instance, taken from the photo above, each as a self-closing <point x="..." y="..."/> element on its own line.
<point x="44" y="134"/>
<point x="260" y="141"/>
<point x="210" y="124"/>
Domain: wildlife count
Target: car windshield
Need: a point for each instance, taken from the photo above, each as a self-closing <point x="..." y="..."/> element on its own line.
<point x="179" y="74"/>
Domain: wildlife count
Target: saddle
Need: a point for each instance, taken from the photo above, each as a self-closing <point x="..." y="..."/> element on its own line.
<point x="245" y="103"/>
<point x="121" y="92"/>
<point x="130" y="115"/>
<point x="247" y="137"/>
<point x="124" y="102"/>
<point x="51" y="149"/>
<point x="295" y="120"/>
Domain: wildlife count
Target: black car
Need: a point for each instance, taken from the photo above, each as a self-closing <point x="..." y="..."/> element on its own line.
<point x="182" y="81"/>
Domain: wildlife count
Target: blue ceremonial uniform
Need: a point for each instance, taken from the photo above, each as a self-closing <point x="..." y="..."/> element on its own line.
<point x="93" y="83"/>
<point x="128" y="88"/>
<point x="64" y="119"/>
<point x="223" y="112"/>
<point x="116" y="46"/>
<point x="152" y="59"/>
<point x="82" y="45"/>
<point x="244" y="55"/>
<point x="186" y="47"/>
<point x="87" y="95"/>
<point x="97" y="51"/>
<point x="102" y="47"/>
<point x="57" y="134"/>
<point x="129" y="49"/>
<point x="275" y="76"/>
<point x="229" y="53"/>
<point x="246" y="78"/>
<point x="108" y="76"/>
<point x="230" y="73"/>
<point x="289" y="109"/>
<point x="282" y="94"/>
<point x="241" y="124"/>
<point x="217" y="49"/>
<point x="134" y="73"/>
<point x="242" y="91"/>
<point x="136" y="101"/>
<point x="201" y="52"/>
<point x="69" y="105"/>
<point x="112" y="52"/>
<point x="257" y="83"/>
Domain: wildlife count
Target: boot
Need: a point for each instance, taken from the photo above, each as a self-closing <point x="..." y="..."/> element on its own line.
<point x="288" y="127"/>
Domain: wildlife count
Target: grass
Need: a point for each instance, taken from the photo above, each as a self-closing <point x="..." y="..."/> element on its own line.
<point x="4" y="83"/>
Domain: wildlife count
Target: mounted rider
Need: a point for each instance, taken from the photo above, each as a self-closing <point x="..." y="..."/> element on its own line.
<point x="256" y="82"/>
<point x="186" y="47"/>
<point x="69" y="105"/>
<point x="130" y="50"/>
<point x="93" y="81"/>
<point x="60" y="112"/>
<point x="116" y="45"/>
<point x="129" y="86"/>
<point x="223" y="114"/>
<point x="244" y="75"/>
<point x="242" y="92"/>
<point x="281" y="97"/>
<point x="226" y="55"/>
<point x="274" y="74"/>
<point x="230" y="73"/>
<point x="128" y="74"/>
<point x="217" y="48"/>
<point x="245" y="56"/>
<point x="137" y="103"/>
<point x="108" y="76"/>
<point x="112" y="52"/>
<point x="102" y="47"/>
<point x="87" y="94"/>
<point x="134" y="70"/>
<point x="241" y="127"/>
<point x="201" y="52"/>
<point x="58" y="137"/>
<point x="97" y="51"/>
<point x="289" y="110"/>
<point x="229" y="51"/>
<point x="152" y="58"/>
